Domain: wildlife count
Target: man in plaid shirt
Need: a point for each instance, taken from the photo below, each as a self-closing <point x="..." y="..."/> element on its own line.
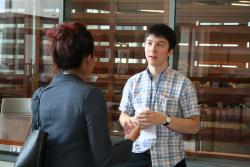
<point x="163" y="102"/>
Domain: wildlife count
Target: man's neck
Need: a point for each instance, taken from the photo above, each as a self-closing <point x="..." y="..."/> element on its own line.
<point x="155" y="71"/>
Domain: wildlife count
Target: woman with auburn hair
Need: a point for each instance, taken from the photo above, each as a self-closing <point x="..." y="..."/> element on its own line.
<point x="73" y="113"/>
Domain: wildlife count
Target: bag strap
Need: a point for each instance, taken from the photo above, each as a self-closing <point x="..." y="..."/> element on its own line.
<point x="38" y="124"/>
<point x="37" y="112"/>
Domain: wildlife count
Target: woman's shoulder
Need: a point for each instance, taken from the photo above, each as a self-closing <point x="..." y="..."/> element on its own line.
<point x="90" y="89"/>
<point x="37" y="93"/>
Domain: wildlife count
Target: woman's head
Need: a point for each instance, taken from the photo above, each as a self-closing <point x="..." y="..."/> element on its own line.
<point x="71" y="43"/>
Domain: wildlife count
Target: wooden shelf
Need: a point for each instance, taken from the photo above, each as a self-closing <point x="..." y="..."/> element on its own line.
<point x="224" y="134"/>
<point x="221" y="79"/>
<point x="223" y="95"/>
<point x="13" y="92"/>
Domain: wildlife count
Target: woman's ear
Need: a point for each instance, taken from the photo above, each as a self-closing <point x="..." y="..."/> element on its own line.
<point x="88" y="64"/>
<point x="87" y="60"/>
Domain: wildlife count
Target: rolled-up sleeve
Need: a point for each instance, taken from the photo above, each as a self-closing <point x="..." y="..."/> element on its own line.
<point x="188" y="101"/>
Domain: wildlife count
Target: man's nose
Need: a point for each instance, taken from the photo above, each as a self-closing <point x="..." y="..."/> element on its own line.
<point x="153" y="47"/>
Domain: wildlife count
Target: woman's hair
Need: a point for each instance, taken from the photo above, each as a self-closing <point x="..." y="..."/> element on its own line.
<point x="71" y="43"/>
<point x="163" y="31"/>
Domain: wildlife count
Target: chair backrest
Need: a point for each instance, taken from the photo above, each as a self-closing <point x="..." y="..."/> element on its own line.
<point x="16" y="105"/>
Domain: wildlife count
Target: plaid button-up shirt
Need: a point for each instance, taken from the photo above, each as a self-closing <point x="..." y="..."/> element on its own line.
<point x="172" y="94"/>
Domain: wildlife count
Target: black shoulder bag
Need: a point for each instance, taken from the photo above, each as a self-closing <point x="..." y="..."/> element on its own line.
<point x="33" y="149"/>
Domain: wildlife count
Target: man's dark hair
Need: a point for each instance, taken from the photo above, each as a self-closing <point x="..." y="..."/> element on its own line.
<point x="163" y="31"/>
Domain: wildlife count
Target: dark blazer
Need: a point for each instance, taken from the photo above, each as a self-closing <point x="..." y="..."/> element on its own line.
<point x="75" y="116"/>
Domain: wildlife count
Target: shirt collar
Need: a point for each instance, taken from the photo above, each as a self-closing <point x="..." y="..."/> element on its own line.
<point x="150" y="76"/>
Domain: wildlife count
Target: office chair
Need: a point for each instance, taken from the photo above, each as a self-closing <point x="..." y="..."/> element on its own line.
<point x="16" y="105"/>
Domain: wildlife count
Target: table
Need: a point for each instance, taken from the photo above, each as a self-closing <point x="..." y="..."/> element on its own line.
<point x="14" y="128"/>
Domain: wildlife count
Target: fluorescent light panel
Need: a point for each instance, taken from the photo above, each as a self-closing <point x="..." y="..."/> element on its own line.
<point x="240" y="4"/>
<point x="197" y="23"/>
<point x="210" y="24"/>
<point x="244" y="1"/>
<point x="229" y="66"/>
<point x="208" y="65"/>
<point x="195" y="63"/>
<point x="231" y="24"/>
<point x="196" y="43"/>
<point x="151" y="11"/>
<point x="230" y="45"/>
<point x="183" y="44"/>
<point x="209" y="44"/>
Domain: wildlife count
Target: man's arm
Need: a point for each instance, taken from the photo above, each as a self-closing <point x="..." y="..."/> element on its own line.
<point x="149" y="118"/>
<point x="124" y="118"/>
<point x="185" y="125"/>
<point x="127" y="121"/>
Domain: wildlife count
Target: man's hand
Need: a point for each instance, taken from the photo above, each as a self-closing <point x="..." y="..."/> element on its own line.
<point x="148" y="118"/>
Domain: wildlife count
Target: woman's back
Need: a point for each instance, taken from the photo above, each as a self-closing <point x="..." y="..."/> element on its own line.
<point x="67" y="115"/>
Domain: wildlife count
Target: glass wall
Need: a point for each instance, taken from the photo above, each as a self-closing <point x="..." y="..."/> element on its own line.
<point x="24" y="63"/>
<point x="214" y="52"/>
<point x="118" y="28"/>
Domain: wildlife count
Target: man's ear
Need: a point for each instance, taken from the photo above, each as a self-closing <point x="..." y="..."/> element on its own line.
<point x="170" y="52"/>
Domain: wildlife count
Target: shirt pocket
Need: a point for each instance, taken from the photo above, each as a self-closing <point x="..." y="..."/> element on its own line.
<point x="139" y="101"/>
<point x="168" y="105"/>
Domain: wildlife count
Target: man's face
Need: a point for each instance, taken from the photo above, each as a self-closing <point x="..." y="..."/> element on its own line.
<point x="157" y="51"/>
